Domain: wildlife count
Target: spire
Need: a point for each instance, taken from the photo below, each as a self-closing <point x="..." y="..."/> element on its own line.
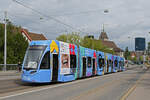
<point x="103" y="35"/>
<point x="103" y="28"/>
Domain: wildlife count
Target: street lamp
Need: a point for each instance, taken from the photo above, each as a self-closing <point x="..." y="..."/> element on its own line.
<point x="5" y="43"/>
<point x="106" y="11"/>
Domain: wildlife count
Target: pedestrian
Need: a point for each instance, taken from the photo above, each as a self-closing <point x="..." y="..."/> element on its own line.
<point x="19" y="66"/>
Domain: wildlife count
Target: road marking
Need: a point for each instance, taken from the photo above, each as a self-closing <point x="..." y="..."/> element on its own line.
<point x="98" y="88"/>
<point x="91" y="91"/>
<point x="130" y="90"/>
<point x="59" y="85"/>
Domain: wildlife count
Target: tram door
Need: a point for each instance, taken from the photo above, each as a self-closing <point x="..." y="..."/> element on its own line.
<point x="55" y="68"/>
<point x="93" y="71"/>
<point x="107" y="66"/>
<point x="84" y="66"/>
<point x="112" y="66"/>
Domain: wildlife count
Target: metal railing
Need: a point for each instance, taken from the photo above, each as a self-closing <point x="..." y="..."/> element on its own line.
<point x="9" y="67"/>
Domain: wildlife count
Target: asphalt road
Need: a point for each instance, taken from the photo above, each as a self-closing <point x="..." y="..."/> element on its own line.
<point x="114" y="86"/>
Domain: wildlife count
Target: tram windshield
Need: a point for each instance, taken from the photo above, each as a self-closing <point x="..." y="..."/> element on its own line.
<point x="33" y="56"/>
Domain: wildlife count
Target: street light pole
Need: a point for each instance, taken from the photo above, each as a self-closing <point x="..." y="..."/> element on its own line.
<point x="106" y="11"/>
<point x="5" y="43"/>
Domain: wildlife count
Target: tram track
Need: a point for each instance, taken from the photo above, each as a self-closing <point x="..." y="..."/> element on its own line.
<point x="16" y="86"/>
<point x="11" y="85"/>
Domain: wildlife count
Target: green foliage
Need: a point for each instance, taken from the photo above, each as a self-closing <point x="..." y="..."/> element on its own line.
<point x="127" y="53"/>
<point x="134" y="59"/>
<point x="1" y="43"/>
<point x="62" y="37"/>
<point x="141" y="58"/>
<point x="75" y="38"/>
<point x="16" y="44"/>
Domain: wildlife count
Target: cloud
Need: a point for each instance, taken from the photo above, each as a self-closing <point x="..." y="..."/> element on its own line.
<point x="125" y="18"/>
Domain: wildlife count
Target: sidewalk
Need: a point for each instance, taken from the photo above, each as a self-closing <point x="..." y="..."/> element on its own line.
<point x="142" y="90"/>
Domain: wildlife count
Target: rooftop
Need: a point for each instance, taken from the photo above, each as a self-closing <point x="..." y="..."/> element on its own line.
<point x="33" y="36"/>
<point x="111" y="44"/>
<point x="103" y="36"/>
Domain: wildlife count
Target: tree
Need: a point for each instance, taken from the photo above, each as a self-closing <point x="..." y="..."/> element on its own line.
<point x="16" y="44"/>
<point x="126" y="53"/>
<point x="62" y="37"/>
<point x="75" y="38"/>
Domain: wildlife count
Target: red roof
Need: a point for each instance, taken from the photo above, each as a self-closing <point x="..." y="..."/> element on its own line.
<point x="33" y="36"/>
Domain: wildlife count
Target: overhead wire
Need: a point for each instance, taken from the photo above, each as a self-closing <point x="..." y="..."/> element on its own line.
<point x="76" y="13"/>
<point x="33" y="21"/>
<point x="44" y="15"/>
<point x="73" y="13"/>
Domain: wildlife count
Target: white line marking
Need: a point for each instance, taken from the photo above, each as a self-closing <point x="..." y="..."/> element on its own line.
<point x="37" y="90"/>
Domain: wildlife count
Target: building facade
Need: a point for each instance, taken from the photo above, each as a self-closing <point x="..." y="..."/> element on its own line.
<point x="140" y="44"/>
<point x="110" y="44"/>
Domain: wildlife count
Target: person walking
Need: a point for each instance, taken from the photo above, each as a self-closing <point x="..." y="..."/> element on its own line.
<point x="19" y="66"/>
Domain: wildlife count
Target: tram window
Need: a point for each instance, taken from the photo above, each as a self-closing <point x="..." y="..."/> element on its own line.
<point x="89" y="62"/>
<point x="72" y="61"/>
<point x="120" y="63"/>
<point x="107" y="66"/>
<point x="116" y="63"/>
<point x="101" y="62"/>
<point x="107" y="63"/>
<point x="45" y="64"/>
<point x="110" y="63"/>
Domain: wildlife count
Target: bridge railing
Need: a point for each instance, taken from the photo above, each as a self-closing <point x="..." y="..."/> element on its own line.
<point x="10" y="67"/>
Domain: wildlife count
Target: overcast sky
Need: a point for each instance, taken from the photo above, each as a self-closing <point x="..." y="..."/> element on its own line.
<point x="126" y="18"/>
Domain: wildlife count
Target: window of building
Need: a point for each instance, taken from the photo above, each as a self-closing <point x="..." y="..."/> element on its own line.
<point x="45" y="64"/>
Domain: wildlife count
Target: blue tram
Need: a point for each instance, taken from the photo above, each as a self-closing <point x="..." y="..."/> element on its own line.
<point x="100" y="63"/>
<point x="50" y="61"/>
<point x="87" y="62"/>
<point x="109" y="63"/>
<point x="115" y="63"/>
<point x="56" y="61"/>
<point x="122" y="63"/>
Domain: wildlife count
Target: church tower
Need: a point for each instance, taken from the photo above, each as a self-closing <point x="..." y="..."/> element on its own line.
<point x="103" y="36"/>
